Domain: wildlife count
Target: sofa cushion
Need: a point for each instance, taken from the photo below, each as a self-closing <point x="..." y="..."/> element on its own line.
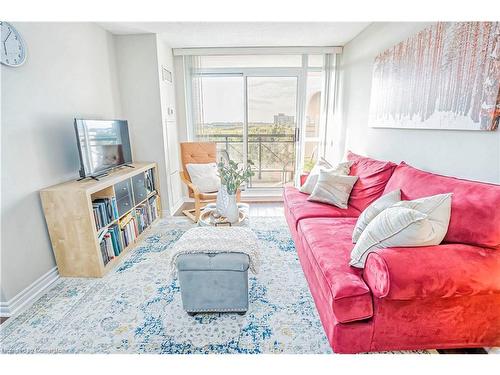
<point x="300" y="208"/>
<point x="475" y="213"/>
<point x="444" y="271"/>
<point x="292" y="195"/>
<point x="327" y="244"/>
<point x="372" y="178"/>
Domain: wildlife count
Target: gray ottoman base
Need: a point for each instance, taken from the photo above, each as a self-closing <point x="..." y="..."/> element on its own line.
<point x="214" y="282"/>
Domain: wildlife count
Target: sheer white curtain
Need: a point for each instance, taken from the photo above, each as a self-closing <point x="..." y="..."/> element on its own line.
<point x="335" y="135"/>
<point x="194" y="85"/>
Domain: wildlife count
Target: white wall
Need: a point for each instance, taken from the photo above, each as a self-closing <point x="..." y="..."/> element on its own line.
<point x="468" y="154"/>
<point x="70" y="72"/>
<point x="140" y="93"/>
<point x="171" y="146"/>
<point x="146" y="99"/>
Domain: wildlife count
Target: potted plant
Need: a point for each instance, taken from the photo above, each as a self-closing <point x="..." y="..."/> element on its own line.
<point x="232" y="175"/>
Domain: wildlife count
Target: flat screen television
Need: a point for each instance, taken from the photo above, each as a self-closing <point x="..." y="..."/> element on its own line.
<point x="103" y="145"/>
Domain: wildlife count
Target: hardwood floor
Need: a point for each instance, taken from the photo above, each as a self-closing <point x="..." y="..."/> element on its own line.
<point x="266" y="209"/>
<point x="256" y="208"/>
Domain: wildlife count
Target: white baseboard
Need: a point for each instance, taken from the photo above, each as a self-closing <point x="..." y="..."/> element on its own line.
<point x="173" y="210"/>
<point x="29" y="295"/>
<point x="177" y="207"/>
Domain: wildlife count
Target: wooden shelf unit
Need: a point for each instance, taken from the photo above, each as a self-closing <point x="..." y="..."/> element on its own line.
<point x="70" y="218"/>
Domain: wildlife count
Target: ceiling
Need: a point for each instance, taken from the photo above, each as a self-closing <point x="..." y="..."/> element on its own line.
<point x="243" y="34"/>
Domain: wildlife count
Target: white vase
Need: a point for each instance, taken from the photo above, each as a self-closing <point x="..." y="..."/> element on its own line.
<point x="232" y="213"/>
<point x="222" y="201"/>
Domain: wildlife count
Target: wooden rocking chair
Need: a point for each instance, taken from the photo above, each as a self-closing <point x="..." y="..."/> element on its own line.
<point x="198" y="153"/>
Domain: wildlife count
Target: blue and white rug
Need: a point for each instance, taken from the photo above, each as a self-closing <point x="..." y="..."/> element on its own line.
<point x="137" y="307"/>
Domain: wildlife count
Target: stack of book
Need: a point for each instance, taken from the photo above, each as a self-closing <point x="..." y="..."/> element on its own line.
<point x="143" y="217"/>
<point x="110" y="243"/>
<point x="129" y="230"/>
<point x="105" y="211"/>
<point x="153" y="208"/>
<point x="146" y="213"/>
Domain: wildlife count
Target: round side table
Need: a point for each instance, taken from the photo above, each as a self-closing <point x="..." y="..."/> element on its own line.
<point x="208" y="216"/>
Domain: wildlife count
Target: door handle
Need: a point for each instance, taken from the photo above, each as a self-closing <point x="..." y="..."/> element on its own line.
<point x="296" y="134"/>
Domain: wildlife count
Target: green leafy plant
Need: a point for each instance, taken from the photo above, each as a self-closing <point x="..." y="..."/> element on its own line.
<point x="309" y="165"/>
<point x="232" y="175"/>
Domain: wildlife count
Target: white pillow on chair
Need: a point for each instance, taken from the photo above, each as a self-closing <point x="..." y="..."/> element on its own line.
<point x="204" y="177"/>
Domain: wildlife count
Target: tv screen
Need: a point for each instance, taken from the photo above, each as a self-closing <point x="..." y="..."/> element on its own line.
<point x="103" y="144"/>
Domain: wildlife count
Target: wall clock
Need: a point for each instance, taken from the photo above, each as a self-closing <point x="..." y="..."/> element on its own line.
<point x="13" y="49"/>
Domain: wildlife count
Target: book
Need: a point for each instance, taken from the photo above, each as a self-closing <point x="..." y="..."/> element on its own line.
<point x="105" y="211"/>
<point x="115" y="239"/>
<point x="108" y="246"/>
<point x="104" y="253"/>
<point x="128" y="228"/>
<point x="110" y="242"/>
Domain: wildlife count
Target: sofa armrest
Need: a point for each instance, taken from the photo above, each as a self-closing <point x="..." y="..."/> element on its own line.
<point x="444" y="271"/>
<point x="303" y="178"/>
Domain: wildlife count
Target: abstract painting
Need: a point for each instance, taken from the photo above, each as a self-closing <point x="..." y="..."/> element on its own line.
<point x="445" y="77"/>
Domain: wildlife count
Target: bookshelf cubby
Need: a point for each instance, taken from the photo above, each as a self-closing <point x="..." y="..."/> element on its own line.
<point x="73" y="224"/>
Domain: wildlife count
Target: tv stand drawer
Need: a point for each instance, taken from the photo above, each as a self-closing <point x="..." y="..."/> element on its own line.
<point x="139" y="186"/>
<point x="124" y="204"/>
<point x="123" y="189"/>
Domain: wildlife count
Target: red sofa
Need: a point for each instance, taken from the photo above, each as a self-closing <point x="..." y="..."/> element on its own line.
<point x="445" y="296"/>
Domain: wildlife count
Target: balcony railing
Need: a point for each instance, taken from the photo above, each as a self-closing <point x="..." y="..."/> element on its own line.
<point x="273" y="156"/>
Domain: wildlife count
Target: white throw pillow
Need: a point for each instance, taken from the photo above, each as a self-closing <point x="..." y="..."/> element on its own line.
<point x="204" y="177"/>
<point x="312" y="178"/>
<point x="373" y="210"/>
<point x="333" y="188"/>
<point x="436" y="207"/>
<point x="403" y="226"/>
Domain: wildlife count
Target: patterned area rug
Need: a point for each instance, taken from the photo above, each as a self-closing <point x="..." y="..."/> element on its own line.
<point x="137" y="307"/>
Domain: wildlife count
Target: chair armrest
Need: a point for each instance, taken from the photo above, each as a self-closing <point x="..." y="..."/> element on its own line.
<point x="444" y="271"/>
<point x="189" y="184"/>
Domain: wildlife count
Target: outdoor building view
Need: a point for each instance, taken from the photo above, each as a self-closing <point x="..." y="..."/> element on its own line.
<point x="254" y="114"/>
<point x="272" y="123"/>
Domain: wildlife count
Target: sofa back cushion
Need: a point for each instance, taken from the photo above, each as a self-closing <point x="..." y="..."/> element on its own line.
<point x="372" y="174"/>
<point x="475" y="206"/>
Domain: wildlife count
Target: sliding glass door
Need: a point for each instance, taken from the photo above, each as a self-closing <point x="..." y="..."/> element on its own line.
<point x="272" y="129"/>
<point x="222" y="118"/>
<point x="269" y="115"/>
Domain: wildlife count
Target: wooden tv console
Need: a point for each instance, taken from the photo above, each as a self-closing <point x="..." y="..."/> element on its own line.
<point x="72" y="225"/>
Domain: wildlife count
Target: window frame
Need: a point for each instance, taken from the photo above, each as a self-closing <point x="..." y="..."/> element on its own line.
<point x="301" y="74"/>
